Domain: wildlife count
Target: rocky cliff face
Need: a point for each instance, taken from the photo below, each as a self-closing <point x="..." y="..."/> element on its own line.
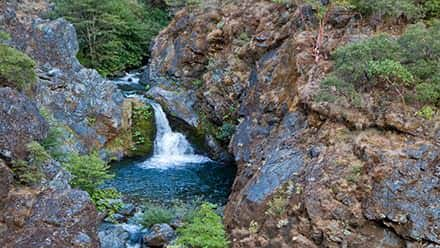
<point x="309" y="174"/>
<point x="76" y="96"/>
<point x="50" y="213"/>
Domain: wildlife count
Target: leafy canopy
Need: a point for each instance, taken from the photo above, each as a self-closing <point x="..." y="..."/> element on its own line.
<point x="114" y="34"/>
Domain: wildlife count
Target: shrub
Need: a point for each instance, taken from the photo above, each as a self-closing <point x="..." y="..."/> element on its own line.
<point x="351" y="61"/>
<point x="205" y="229"/>
<point x="25" y="173"/>
<point x="277" y="206"/>
<point x="37" y="154"/>
<point x="16" y="68"/>
<point x="388" y="8"/>
<point x="156" y="215"/>
<point x="4" y="36"/>
<point x="107" y="200"/>
<point x="432" y="8"/>
<point x="427" y="112"/>
<point x="405" y="64"/>
<point x="88" y="171"/>
<point x="225" y="132"/>
<point x="113" y="35"/>
<point x="30" y="173"/>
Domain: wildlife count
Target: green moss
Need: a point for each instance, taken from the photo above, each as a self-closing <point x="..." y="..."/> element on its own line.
<point x="16" y="68"/>
<point x="143" y="130"/>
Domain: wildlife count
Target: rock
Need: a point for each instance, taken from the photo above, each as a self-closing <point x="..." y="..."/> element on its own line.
<point x="56" y="219"/>
<point x="178" y="104"/>
<point x="6" y="181"/>
<point x="177" y="223"/>
<point x="309" y="174"/>
<point x="128" y="209"/>
<point x="160" y="235"/>
<point x="20" y="123"/>
<point x="78" y="98"/>
<point x="113" y="236"/>
<point x="315" y="151"/>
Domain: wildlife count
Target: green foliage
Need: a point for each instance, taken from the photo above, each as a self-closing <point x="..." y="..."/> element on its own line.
<point x="197" y="83"/>
<point x="388" y="8"/>
<point x="225" y="132"/>
<point x="16" y="68"/>
<point x="88" y="171"/>
<point x="107" y="200"/>
<point x="25" y="173"/>
<point x="157" y="215"/>
<point x="115" y="34"/>
<point x="406" y="64"/>
<point x="143" y="130"/>
<point x="355" y="173"/>
<point x="351" y="61"/>
<point x="4" y="36"/>
<point x="182" y="3"/>
<point x="427" y="112"/>
<point x="277" y="206"/>
<point x="432" y="8"/>
<point x="389" y="70"/>
<point x="204" y="230"/>
<point x="30" y="173"/>
<point x="37" y="154"/>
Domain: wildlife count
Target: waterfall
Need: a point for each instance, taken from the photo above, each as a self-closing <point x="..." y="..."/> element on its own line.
<point x="171" y="149"/>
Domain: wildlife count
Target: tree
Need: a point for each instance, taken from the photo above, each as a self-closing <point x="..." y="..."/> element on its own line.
<point x="323" y="10"/>
<point x="114" y="34"/>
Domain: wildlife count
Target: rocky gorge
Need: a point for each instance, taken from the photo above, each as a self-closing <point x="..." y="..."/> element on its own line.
<point x="240" y="78"/>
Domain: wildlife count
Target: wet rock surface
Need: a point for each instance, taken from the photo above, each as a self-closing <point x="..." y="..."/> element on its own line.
<point x="309" y="174"/>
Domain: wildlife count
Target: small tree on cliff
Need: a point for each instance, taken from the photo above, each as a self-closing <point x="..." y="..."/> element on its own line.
<point x="323" y="9"/>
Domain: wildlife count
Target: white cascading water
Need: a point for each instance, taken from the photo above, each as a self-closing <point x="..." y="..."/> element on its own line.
<point x="170" y="148"/>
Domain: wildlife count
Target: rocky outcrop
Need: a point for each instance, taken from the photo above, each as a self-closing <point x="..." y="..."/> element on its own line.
<point x="88" y="107"/>
<point x="309" y="174"/>
<point x="20" y="123"/>
<point x="77" y="97"/>
<point x="50" y="214"/>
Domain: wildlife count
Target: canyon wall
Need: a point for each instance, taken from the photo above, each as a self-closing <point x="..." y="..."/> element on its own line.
<point x="310" y="174"/>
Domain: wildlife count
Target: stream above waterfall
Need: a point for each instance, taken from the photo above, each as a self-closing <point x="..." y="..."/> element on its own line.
<point x="175" y="172"/>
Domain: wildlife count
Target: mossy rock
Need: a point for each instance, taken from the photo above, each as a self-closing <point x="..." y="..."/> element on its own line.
<point x="143" y="130"/>
<point x="136" y="139"/>
<point x="17" y="70"/>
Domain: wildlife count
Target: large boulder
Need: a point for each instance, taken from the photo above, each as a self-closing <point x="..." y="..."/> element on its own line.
<point x="64" y="218"/>
<point x="20" y="123"/>
<point x="159" y="236"/>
